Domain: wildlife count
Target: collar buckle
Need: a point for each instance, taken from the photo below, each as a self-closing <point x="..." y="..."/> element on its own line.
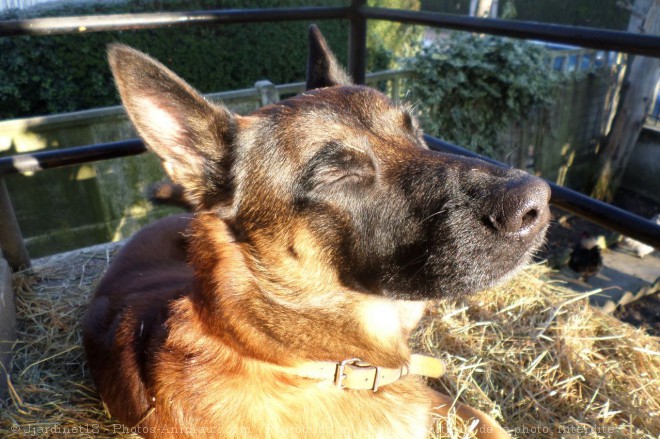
<point x="340" y="374"/>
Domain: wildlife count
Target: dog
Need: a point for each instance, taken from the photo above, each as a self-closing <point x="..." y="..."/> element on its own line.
<point x="321" y="226"/>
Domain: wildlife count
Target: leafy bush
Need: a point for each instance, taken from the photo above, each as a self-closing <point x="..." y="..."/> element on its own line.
<point x="470" y="88"/>
<point x="51" y="74"/>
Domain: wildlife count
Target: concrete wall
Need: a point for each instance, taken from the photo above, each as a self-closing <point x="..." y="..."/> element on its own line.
<point x="77" y="206"/>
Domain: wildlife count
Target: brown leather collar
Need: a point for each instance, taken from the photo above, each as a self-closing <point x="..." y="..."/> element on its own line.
<point x="354" y="373"/>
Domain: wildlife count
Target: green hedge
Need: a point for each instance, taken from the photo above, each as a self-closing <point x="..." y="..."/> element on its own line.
<point x="52" y="74"/>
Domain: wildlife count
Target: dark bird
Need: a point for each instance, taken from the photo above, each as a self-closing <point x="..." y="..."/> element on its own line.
<point x="586" y="258"/>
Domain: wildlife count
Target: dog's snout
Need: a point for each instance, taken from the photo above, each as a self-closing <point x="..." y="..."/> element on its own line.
<point x="521" y="210"/>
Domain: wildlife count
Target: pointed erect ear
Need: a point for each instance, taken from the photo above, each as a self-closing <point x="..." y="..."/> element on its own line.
<point x="322" y="67"/>
<point x="192" y="137"/>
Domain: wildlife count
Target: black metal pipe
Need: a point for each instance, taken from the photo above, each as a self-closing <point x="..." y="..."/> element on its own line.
<point x="581" y="36"/>
<point x="639" y="44"/>
<point x="598" y="212"/>
<point x="604" y="214"/>
<point x="39" y="161"/>
<point x="115" y="22"/>
<point x="357" y="43"/>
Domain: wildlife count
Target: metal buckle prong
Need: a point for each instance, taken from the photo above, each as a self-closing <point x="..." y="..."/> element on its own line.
<point x="339" y="374"/>
<point x="377" y="379"/>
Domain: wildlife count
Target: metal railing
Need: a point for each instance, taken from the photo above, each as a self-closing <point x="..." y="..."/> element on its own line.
<point x="357" y="13"/>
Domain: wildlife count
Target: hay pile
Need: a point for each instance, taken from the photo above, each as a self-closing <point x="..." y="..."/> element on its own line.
<point x="534" y="355"/>
<point x="545" y="363"/>
<point x="51" y="393"/>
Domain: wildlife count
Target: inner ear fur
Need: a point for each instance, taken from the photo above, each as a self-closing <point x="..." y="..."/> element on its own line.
<point x="323" y="70"/>
<point x="192" y="137"/>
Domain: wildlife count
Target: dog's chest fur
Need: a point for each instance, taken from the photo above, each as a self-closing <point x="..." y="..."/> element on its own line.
<point x="241" y="397"/>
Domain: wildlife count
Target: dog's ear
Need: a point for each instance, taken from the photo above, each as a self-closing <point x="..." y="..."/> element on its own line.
<point x="323" y="70"/>
<point x="191" y="136"/>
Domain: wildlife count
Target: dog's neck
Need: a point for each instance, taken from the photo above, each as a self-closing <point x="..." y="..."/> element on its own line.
<point x="254" y="314"/>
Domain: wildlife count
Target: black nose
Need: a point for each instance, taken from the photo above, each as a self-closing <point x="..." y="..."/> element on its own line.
<point x="521" y="209"/>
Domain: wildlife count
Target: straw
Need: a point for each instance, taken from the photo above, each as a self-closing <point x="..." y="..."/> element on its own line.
<point x="544" y="363"/>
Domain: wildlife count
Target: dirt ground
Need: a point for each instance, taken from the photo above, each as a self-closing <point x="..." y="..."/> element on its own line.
<point x="565" y="231"/>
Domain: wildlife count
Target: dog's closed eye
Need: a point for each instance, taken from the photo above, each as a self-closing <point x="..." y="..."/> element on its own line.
<point x="336" y="163"/>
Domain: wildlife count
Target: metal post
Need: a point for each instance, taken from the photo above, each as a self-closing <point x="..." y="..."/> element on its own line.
<point x="11" y="240"/>
<point x="357" y="41"/>
<point x="267" y="91"/>
<point x="396" y="91"/>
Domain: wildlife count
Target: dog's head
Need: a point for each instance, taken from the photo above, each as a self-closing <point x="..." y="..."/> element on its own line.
<point x="338" y="184"/>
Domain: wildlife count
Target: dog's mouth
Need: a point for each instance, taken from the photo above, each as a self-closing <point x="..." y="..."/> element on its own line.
<point x="457" y="272"/>
<point x="523" y="262"/>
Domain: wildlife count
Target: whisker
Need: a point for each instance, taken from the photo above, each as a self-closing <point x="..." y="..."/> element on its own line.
<point x="443" y="210"/>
